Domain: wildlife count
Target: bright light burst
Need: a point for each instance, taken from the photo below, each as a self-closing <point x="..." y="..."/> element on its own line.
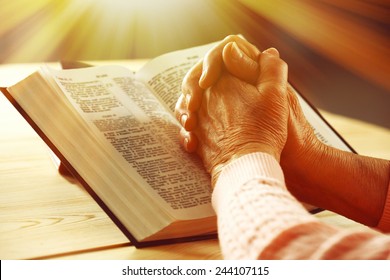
<point x="351" y="33"/>
<point x="42" y="30"/>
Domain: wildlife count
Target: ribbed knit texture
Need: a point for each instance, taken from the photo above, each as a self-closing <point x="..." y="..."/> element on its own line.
<point x="259" y="218"/>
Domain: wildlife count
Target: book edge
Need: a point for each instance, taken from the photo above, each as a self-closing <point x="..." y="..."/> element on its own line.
<point x="91" y="192"/>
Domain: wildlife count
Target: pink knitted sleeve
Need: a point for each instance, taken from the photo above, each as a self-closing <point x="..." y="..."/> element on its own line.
<point x="259" y="218"/>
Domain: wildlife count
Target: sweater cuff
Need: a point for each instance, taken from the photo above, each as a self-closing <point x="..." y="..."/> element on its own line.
<point x="244" y="169"/>
<point x="384" y="222"/>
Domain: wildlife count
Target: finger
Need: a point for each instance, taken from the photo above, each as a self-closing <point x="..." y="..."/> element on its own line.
<point x="239" y="64"/>
<point x="188" y="140"/>
<point x="187" y="119"/>
<point x="273" y="72"/>
<point x="191" y="89"/>
<point x="213" y="63"/>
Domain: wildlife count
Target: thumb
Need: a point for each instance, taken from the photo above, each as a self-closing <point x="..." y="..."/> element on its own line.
<point x="239" y="64"/>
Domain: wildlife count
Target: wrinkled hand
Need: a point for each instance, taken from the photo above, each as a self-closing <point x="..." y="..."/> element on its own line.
<point x="236" y="117"/>
<point x="240" y="58"/>
<point x="206" y="73"/>
<point x="314" y="172"/>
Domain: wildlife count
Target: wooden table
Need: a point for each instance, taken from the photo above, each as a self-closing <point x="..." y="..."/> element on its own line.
<point x="45" y="216"/>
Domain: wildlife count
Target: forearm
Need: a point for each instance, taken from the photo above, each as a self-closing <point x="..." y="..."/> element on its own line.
<point x="351" y="185"/>
<point x="251" y="201"/>
<point x="258" y="218"/>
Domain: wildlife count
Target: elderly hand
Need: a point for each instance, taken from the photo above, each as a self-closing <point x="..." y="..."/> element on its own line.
<point x="206" y="73"/>
<point x="315" y="173"/>
<point x="238" y="57"/>
<point x="236" y="117"/>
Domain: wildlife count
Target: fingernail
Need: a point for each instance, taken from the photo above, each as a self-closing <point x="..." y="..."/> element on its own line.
<point x="183" y="120"/>
<point x="188" y="99"/>
<point x="272" y="51"/>
<point x="236" y="52"/>
<point x="186" y="142"/>
<point x="203" y="76"/>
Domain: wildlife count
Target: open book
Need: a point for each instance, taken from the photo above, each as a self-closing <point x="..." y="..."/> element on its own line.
<point x="116" y="132"/>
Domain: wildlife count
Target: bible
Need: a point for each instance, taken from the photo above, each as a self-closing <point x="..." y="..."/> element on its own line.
<point x="115" y="131"/>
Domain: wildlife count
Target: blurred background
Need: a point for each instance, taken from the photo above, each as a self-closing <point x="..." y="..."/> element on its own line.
<point x="337" y="51"/>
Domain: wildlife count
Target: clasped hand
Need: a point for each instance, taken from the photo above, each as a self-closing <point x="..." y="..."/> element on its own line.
<point x="234" y="102"/>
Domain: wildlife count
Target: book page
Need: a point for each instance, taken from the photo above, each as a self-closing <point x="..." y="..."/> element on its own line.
<point x="133" y="124"/>
<point x="164" y="74"/>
